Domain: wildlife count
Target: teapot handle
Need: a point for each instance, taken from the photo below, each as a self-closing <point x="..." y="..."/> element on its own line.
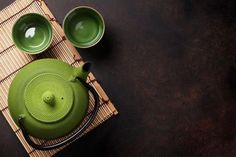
<point x="75" y="135"/>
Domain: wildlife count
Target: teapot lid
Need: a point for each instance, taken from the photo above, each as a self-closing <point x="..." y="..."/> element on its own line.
<point x="48" y="97"/>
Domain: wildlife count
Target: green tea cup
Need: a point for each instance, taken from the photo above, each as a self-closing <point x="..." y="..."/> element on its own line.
<point x="32" y="33"/>
<point x="84" y="26"/>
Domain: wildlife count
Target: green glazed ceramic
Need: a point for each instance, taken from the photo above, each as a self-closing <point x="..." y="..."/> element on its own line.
<point x="32" y="33"/>
<point x="84" y="27"/>
<point x="47" y="96"/>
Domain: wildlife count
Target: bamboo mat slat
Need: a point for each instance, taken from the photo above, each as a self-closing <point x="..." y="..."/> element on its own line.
<point x="12" y="60"/>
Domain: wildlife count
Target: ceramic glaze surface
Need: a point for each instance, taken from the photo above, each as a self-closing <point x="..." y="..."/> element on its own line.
<point x="32" y="33"/>
<point x="84" y="27"/>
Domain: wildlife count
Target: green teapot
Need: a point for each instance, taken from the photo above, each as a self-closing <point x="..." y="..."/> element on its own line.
<point x="49" y="99"/>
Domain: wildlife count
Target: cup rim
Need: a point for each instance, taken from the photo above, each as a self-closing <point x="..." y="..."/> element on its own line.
<point x="50" y="35"/>
<point x="100" y="16"/>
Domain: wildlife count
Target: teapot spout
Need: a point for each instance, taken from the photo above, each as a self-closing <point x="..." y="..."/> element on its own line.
<point x="86" y="66"/>
<point x="82" y="71"/>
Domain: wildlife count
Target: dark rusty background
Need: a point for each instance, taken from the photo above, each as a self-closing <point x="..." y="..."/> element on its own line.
<point x="170" y="68"/>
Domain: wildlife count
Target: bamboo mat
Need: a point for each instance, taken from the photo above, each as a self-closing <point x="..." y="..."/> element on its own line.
<point x="12" y="60"/>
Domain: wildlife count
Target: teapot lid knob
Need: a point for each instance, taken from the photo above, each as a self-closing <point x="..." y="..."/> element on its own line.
<point x="48" y="97"/>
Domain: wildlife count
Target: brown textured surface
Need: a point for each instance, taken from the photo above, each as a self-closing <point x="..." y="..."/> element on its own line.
<point x="170" y="66"/>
